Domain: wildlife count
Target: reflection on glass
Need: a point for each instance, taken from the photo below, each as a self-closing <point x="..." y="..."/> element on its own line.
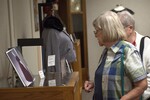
<point x="75" y="5"/>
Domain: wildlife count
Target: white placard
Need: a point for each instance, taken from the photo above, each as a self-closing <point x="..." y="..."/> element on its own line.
<point x="51" y="60"/>
<point x="52" y="82"/>
<point x="41" y="74"/>
<point x="42" y="82"/>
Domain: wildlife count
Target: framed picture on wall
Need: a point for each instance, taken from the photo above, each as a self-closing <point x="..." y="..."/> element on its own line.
<point x="35" y="14"/>
<point x="44" y="10"/>
<point x="36" y="18"/>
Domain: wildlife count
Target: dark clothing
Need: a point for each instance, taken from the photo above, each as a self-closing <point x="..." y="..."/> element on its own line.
<point x="98" y="78"/>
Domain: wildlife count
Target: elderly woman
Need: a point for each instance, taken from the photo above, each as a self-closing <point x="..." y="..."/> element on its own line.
<point x="120" y="74"/>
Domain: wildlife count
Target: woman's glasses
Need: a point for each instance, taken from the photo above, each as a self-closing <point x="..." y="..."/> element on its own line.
<point x="97" y="31"/>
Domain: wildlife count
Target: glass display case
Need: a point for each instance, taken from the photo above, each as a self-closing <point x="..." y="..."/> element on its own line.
<point x="53" y="87"/>
<point x="73" y="14"/>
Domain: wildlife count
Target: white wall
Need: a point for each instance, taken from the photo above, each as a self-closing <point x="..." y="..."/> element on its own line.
<point x="95" y="7"/>
<point x="4" y="38"/>
<point x="22" y="18"/>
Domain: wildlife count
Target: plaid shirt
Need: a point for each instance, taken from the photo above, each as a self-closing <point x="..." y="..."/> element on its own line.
<point x="111" y="76"/>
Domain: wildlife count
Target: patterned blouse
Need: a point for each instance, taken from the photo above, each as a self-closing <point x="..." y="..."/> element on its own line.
<point x="108" y="75"/>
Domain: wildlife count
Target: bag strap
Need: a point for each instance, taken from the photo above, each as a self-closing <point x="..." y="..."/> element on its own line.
<point x="122" y="71"/>
<point x="142" y="46"/>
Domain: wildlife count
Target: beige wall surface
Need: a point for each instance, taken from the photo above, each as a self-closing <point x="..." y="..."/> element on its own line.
<point x="4" y="38"/>
<point x="22" y="18"/>
<point x="95" y="7"/>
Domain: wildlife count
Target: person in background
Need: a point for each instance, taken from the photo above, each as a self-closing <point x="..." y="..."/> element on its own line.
<point x="120" y="74"/>
<point x="134" y="37"/>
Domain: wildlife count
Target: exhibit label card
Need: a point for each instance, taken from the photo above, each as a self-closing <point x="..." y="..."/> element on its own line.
<point x="52" y="82"/>
<point x="51" y="60"/>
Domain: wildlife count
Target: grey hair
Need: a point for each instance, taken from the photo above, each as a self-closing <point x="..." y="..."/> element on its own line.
<point x="126" y="19"/>
<point x="111" y="27"/>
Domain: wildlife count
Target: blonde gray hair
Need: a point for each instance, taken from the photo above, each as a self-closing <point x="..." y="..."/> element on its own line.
<point x="111" y="26"/>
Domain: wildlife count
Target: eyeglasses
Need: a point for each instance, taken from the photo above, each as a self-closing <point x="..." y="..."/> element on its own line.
<point x="97" y="31"/>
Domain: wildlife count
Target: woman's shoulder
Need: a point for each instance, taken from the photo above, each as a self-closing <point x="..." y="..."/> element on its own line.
<point x="128" y="47"/>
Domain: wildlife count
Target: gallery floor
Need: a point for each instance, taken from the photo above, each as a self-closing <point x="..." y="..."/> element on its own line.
<point x="86" y="96"/>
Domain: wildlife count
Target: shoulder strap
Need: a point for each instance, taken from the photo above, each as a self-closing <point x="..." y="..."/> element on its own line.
<point x="142" y="45"/>
<point x="122" y="71"/>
